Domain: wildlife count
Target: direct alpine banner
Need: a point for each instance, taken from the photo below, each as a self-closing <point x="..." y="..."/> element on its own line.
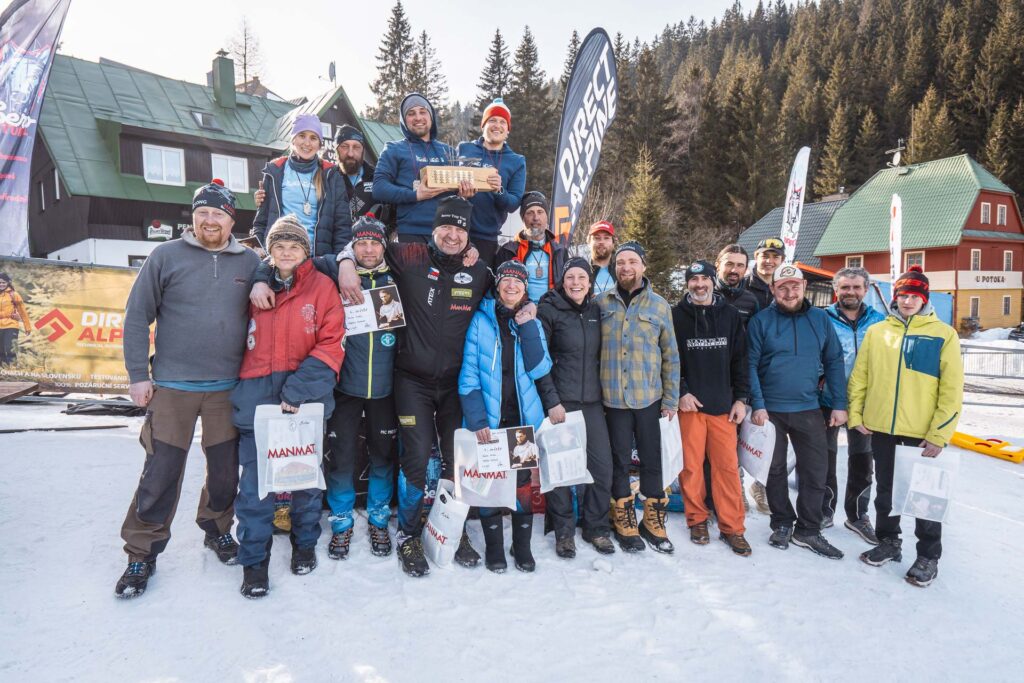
<point x="29" y="30"/>
<point x="63" y="325"/>
<point x="895" y="238"/>
<point x="794" y="207"/>
<point x="588" y="109"/>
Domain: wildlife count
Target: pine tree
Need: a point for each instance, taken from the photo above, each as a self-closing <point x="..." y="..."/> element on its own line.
<point x="393" y="58"/>
<point x="931" y="131"/>
<point x="653" y="115"/>
<point x="832" y="169"/>
<point x="533" y="134"/>
<point x="645" y="222"/>
<point x="867" y="149"/>
<point x="570" y="58"/>
<point x="434" y="83"/>
<point x="996" y="155"/>
<point x="494" y="79"/>
<point x="1000" y="63"/>
<point x="1015" y="173"/>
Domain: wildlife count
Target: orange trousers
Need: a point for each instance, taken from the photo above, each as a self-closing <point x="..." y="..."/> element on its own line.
<point x="714" y="437"/>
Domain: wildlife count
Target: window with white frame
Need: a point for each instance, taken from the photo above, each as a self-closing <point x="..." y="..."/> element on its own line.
<point x="855" y="261"/>
<point x="975" y="259"/>
<point x="325" y="128"/>
<point x="1006" y="305"/>
<point x="56" y="185"/>
<point x="234" y="171"/>
<point x="914" y="258"/>
<point x="975" y="307"/>
<point x="163" y="165"/>
<point x="1007" y="260"/>
<point x="1001" y="214"/>
<point x="986" y="213"/>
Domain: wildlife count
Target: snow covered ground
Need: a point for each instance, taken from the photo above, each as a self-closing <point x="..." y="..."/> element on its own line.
<point x="702" y="614"/>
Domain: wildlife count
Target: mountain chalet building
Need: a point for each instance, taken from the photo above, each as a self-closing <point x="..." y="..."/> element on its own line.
<point x="120" y="151"/>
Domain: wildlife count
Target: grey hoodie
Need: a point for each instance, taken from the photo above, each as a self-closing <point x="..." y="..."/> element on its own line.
<point x="200" y="302"/>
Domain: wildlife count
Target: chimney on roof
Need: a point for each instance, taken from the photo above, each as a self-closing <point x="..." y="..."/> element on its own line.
<point x="224" y="80"/>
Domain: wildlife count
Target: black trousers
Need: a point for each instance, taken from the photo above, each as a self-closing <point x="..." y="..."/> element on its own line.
<point x="593" y="499"/>
<point x="427" y="410"/>
<point x="887" y="525"/>
<point x="625" y="425"/>
<point x="9" y="346"/>
<point x="858" y="472"/>
<point x="807" y="431"/>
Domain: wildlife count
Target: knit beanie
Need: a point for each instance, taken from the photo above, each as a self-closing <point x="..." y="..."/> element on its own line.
<point x="914" y="281"/>
<point x="699" y="268"/>
<point x="533" y="198"/>
<point x="369" y="228"/>
<point x="576" y="262"/>
<point x="307" y="123"/>
<point x="288" y="229"/>
<point x="453" y="210"/>
<point x="216" y="195"/>
<point x="512" y="269"/>
<point x="635" y="247"/>
<point x="415" y="100"/>
<point x="346" y="133"/>
<point x="497" y="108"/>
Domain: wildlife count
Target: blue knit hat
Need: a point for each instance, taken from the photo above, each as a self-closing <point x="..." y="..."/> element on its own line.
<point x="307" y="123"/>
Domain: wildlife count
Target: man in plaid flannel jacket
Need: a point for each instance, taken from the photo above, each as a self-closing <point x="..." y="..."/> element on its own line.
<point x="639" y="385"/>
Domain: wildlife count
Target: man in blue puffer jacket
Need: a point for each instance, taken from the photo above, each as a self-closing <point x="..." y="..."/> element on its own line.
<point x="851" y="319"/>
<point x="504" y="354"/>
<point x="791" y="345"/>
<point x="491" y="209"/>
<point x="396" y="180"/>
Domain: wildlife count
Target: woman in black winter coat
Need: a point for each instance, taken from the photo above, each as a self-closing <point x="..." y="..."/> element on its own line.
<point x="572" y="326"/>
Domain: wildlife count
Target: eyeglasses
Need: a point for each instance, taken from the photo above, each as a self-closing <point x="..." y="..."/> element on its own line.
<point x="771" y="243"/>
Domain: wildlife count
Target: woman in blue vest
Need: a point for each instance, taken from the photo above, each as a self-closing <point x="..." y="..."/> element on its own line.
<point x="309" y="188"/>
<point x="505" y="352"/>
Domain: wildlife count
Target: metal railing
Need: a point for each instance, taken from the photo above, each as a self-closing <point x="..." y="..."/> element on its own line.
<point x="992" y="363"/>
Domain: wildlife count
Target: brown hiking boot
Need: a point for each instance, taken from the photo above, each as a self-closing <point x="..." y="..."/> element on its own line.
<point x="624" y="521"/>
<point x="699" y="533"/>
<point x="652" y="528"/>
<point x="737" y="543"/>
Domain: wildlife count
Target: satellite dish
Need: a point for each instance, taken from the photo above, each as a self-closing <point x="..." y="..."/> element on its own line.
<point x="332" y="73"/>
<point x="895" y="159"/>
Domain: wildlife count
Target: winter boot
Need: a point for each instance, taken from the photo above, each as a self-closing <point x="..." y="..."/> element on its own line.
<point x="923" y="572"/>
<point x="760" y="496"/>
<point x="494" y="543"/>
<point x="780" y="537"/>
<point x="380" y="540"/>
<point x="652" y="528"/>
<point x="410" y="555"/>
<point x="255" y="582"/>
<point x="816" y="543"/>
<point x="225" y="547"/>
<point x="699" y="533"/>
<point x="862" y="527"/>
<point x="887" y="550"/>
<point x="338" y="548"/>
<point x="133" y="582"/>
<point x="624" y="520"/>
<point x="283" y="519"/>
<point x="522" y="533"/>
<point x="737" y="543"/>
<point x="601" y="542"/>
<point x="565" y="547"/>
<point x="465" y="554"/>
<point x="303" y="560"/>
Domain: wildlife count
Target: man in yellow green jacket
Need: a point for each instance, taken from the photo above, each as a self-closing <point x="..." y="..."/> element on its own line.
<point x="906" y="389"/>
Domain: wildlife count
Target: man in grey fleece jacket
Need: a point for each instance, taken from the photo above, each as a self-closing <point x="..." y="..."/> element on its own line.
<point x="196" y="289"/>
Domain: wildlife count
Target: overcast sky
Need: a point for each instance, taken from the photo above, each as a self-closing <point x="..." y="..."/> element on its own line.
<point x="299" y="39"/>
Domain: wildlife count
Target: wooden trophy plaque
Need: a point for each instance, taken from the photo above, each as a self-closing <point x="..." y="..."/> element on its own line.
<point x="449" y="177"/>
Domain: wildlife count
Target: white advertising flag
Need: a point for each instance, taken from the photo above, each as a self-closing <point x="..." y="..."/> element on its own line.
<point x="895" y="239"/>
<point x="794" y="207"/>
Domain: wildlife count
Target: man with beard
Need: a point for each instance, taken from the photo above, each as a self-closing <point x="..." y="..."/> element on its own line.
<point x="851" y="319"/>
<point x="535" y="247"/>
<point x="767" y="257"/>
<point x="601" y="240"/>
<point x="439" y="294"/>
<point x="639" y="385"/>
<point x="507" y="182"/>
<point x="730" y="281"/>
<point x="791" y="344"/>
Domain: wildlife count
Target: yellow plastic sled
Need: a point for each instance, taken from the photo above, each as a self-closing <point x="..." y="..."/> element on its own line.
<point x="992" y="447"/>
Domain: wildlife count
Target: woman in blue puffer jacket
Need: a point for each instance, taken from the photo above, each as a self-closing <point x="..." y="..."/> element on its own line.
<point x="505" y="353"/>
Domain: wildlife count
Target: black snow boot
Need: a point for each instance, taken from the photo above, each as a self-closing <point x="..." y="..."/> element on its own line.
<point x="410" y="555"/>
<point x="817" y="544"/>
<point x="225" y="547"/>
<point x="565" y="547"/>
<point x="380" y="541"/>
<point x="780" y="537"/>
<point x="494" y="540"/>
<point x="255" y="582"/>
<point x="339" y="546"/>
<point x="133" y="582"/>
<point x="465" y="554"/>
<point x="887" y="550"/>
<point x="923" y="572"/>
<point x="522" y="532"/>
<point x="601" y="541"/>
<point x="303" y="560"/>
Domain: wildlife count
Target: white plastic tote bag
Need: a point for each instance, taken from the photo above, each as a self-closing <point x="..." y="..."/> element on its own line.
<point x="756" y="446"/>
<point x="923" y="487"/>
<point x="476" y="488"/>
<point x="444" y="525"/>
<point x="563" y="452"/>
<point x="289" y="448"/>
<point x="671" y="450"/>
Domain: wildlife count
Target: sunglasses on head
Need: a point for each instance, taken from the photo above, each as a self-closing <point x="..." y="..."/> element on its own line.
<point x="772" y="244"/>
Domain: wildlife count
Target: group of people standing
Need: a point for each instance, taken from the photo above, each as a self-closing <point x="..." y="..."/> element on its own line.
<point x="504" y="336"/>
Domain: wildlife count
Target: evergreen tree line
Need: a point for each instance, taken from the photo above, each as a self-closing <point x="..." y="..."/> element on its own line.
<point x="710" y="116"/>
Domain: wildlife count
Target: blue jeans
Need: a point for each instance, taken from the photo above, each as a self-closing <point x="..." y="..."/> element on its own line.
<point x="256" y="516"/>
